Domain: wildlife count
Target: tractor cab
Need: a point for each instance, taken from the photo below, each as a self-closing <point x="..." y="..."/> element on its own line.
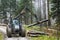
<point x="16" y="26"/>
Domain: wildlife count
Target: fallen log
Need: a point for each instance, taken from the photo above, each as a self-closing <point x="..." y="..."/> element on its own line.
<point x="39" y="22"/>
<point x="36" y="33"/>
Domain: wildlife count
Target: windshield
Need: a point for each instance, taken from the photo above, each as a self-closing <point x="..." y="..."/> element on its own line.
<point x="15" y="22"/>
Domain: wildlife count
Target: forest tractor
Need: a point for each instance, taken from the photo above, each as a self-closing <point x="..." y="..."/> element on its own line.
<point x="15" y="27"/>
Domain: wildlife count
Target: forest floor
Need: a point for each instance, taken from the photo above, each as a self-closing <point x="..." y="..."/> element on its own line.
<point x="41" y="37"/>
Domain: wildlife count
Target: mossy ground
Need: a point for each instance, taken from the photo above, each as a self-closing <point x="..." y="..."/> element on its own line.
<point x="41" y="37"/>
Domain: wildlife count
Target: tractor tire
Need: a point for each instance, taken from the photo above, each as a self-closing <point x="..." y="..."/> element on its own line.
<point x="22" y="33"/>
<point x="9" y="33"/>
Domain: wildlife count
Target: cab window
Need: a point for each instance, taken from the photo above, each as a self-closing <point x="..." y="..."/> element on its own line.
<point x="15" y="22"/>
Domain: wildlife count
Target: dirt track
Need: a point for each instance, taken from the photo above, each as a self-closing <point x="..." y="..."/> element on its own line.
<point x="3" y="31"/>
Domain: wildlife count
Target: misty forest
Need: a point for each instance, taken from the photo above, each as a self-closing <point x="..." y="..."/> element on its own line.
<point x="40" y="18"/>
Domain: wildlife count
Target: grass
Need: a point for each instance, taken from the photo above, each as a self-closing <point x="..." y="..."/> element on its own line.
<point x="41" y="37"/>
<point x="1" y="36"/>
